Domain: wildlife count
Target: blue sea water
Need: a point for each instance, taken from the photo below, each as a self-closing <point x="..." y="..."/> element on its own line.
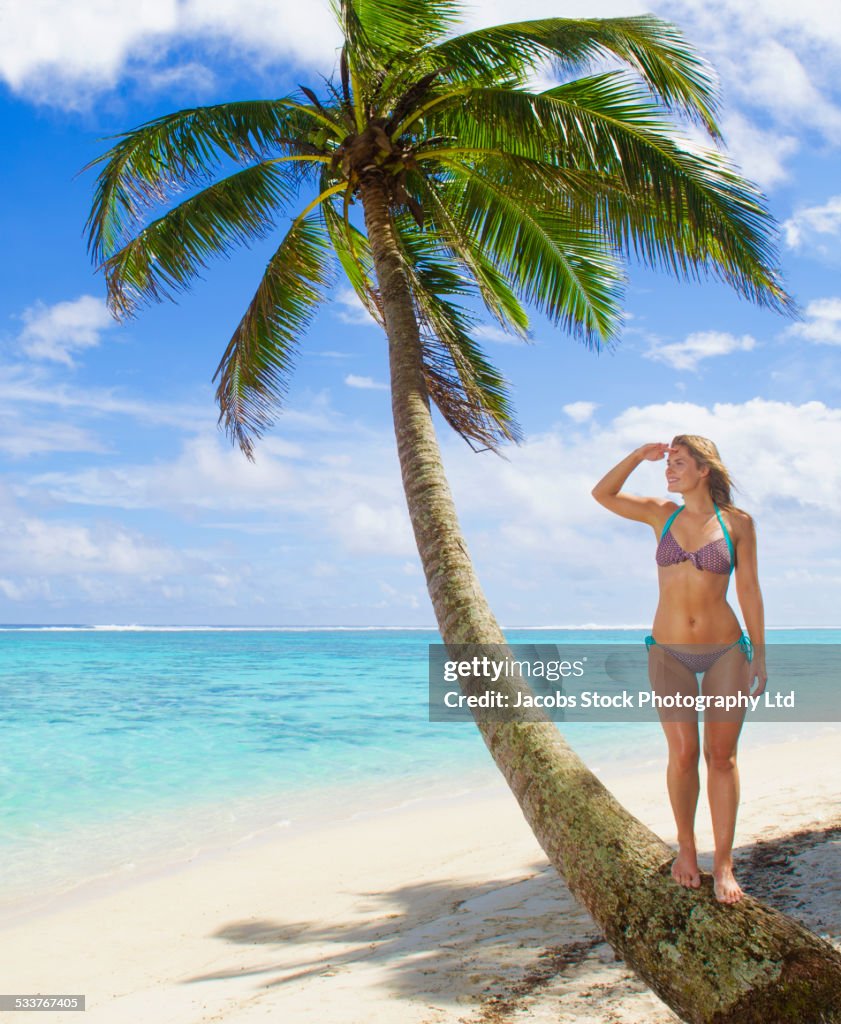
<point x="121" y="743"/>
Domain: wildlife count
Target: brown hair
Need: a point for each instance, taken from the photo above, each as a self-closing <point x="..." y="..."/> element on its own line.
<point x="705" y="453"/>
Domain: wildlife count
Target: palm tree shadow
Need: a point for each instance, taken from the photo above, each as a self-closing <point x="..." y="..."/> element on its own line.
<point x="798" y="874"/>
<point x="499" y="942"/>
<point x="481" y="936"/>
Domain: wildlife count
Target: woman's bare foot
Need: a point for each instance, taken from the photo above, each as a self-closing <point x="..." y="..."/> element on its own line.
<point x="725" y="886"/>
<point x="685" y="867"/>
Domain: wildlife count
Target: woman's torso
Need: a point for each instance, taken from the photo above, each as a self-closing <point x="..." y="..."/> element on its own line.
<point x="693" y="607"/>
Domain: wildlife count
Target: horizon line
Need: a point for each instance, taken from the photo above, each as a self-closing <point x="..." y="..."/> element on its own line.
<point x="162" y="627"/>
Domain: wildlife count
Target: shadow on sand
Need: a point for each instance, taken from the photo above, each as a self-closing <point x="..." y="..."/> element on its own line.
<point x="489" y="948"/>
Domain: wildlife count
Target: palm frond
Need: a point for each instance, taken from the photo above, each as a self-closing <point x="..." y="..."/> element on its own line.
<point x="599" y="126"/>
<point x="497" y="295"/>
<point x="254" y="370"/>
<point x="392" y="28"/>
<point x="157" y="160"/>
<point x="469" y="392"/>
<point x="553" y="262"/>
<point x="578" y="124"/>
<point x="354" y="254"/>
<point x="708" y="217"/>
<point x="166" y="255"/>
<point x="517" y="197"/>
<point x="671" y="69"/>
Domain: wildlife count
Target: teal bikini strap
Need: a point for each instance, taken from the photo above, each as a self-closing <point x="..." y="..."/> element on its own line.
<point x="670" y="520"/>
<point x="727" y="538"/>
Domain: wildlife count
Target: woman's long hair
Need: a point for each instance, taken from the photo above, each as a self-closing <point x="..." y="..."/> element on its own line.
<point x="705" y="453"/>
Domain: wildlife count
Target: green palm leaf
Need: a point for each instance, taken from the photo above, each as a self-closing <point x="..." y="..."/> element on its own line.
<point x="598" y="126"/>
<point x="469" y="391"/>
<point x="656" y="50"/>
<point x="717" y="220"/>
<point x="518" y="197"/>
<point x="354" y="254"/>
<point x="166" y="255"/>
<point x="498" y="296"/>
<point x="254" y="370"/>
<point x="389" y="28"/>
<point x="558" y="265"/>
<point x="160" y="158"/>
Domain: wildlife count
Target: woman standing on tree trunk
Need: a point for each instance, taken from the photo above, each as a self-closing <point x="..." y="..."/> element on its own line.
<point x="696" y="631"/>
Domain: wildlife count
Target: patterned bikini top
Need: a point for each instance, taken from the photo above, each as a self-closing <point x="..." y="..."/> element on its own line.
<point x="717" y="556"/>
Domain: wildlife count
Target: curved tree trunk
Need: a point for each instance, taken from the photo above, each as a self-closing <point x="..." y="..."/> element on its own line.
<point x="710" y="963"/>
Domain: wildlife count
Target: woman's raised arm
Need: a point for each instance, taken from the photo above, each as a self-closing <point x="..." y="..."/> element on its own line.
<point x="608" y="491"/>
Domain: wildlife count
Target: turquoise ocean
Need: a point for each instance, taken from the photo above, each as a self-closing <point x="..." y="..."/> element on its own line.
<point x="128" y="746"/>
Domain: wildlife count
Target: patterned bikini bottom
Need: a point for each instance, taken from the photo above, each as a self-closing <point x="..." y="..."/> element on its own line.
<point x="701" y="662"/>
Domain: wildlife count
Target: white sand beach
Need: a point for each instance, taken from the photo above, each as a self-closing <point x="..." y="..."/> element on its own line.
<point x="441" y="912"/>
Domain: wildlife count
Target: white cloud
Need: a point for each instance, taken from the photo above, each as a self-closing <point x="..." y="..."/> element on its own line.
<point x="11" y="590"/>
<point x="26" y="588"/>
<point x="85" y="42"/>
<point x="529" y="519"/>
<point x="490" y="332"/>
<point x="192" y="77"/>
<point x="66" y="568"/>
<point x="773" y="92"/>
<point x="812" y="23"/>
<point x="31" y="385"/>
<point x="772" y="76"/>
<point x="687" y="354"/>
<point x="499" y="12"/>
<point x="32" y="545"/>
<point x="351" y="310"/>
<point x="823" y="323"/>
<point x="580" y="412"/>
<point x="207" y="474"/>
<point x="107" y="571"/>
<point x="396" y="598"/>
<point x="55" y="332"/>
<point x="331" y="501"/>
<point x="21" y="439"/>
<point x="380" y="529"/>
<point x="802" y="228"/>
<point x="64" y="53"/>
<point x="296" y="488"/>
<point x="760" y="155"/>
<point x="304" y="33"/>
<point x="364" y="383"/>
<point x="91" y="43"/>
<point x="533" y="527"/>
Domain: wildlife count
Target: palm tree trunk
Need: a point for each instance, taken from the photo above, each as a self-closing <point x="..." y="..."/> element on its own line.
<point x="728" y="965"/>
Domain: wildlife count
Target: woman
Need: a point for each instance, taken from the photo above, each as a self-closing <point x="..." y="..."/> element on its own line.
<point x="696" y="631"/>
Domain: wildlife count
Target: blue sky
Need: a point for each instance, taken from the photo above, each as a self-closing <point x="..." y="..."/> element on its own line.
<point x="121" y="501"/>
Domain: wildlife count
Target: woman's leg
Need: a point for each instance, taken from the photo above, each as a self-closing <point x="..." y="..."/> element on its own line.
<point x="668" y="677"/>
<point x="721" y="737"/>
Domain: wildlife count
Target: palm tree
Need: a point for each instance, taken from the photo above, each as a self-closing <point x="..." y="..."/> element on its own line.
<point x="471" y="183"/>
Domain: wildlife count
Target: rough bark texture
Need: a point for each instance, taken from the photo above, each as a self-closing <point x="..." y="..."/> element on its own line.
<point x="712" y="964"/>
